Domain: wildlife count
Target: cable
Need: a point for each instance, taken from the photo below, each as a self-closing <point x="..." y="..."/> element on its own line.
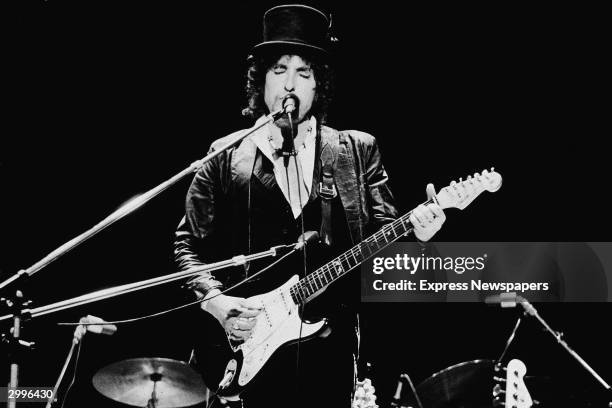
<point x="302" y="306"/>
<point x="414" y="392"/>
<point x="76" y="362"/>
<point x="509" y="341"/>
<point x="398" y="221"/>
<point x="242" y="282"/>
<point x="211" y="398"/>
<point x="229" y="404"/>
<point x="51" y="399"/>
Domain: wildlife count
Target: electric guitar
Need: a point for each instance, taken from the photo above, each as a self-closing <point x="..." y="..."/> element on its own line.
<point x="230" y="370"/>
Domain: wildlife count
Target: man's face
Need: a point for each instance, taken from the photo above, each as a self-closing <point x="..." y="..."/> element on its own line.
<point x="290" y="74"/>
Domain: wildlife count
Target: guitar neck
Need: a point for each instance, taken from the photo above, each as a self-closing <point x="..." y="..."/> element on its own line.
<point x="307" y="288"/>
<point x="456" y="195"/>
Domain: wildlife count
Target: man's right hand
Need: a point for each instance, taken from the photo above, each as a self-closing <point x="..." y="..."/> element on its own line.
<point x="236" y="315"/>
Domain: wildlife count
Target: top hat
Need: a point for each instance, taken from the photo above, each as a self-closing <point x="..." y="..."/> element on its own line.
<point x="294" y="26"/>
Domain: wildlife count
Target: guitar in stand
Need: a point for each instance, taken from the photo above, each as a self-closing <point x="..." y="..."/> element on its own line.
<point x="232" y="366"/>
<point x="514" y="393"/>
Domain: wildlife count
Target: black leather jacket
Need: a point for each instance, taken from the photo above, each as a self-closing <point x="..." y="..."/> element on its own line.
<point x="359" y="176"/>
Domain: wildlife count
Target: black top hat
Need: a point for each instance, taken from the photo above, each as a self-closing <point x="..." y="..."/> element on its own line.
<point x="294" y="26"/>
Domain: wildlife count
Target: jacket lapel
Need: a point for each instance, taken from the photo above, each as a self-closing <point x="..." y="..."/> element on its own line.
<point x="243" y="160"/>
<point x="345" y="180"/>
<point x="247" y="161"/>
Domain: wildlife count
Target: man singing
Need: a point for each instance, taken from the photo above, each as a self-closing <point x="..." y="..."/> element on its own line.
<point x="257" y="195"/>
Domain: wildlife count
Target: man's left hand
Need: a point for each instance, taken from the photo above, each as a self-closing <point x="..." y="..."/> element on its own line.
<point x="427" y="219"/>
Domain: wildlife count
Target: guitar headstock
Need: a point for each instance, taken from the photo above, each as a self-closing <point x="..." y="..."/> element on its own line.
<point x="460" y="194"/>
<point x="516" y="393"/>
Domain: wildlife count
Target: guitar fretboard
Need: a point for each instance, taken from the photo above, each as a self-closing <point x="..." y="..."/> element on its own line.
<point x="307" y="287"/>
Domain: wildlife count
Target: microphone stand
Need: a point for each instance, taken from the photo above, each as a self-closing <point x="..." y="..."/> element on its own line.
<point x="79" y="332"/>
<point x="109" y="220"/>
<point x="136" y="286"/>
<point x="16" y="346"/>
<point x="531" y="311"/>
<point x="133" y="205"/>
<point x="511" y="299"/>
<point x="288" y="148"/>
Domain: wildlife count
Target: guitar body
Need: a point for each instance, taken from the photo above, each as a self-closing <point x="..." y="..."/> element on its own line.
<point x="235" y="365"/>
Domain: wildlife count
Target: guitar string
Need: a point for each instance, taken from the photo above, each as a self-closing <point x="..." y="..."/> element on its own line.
<point x="311" y="278"/>
<point x="357" y="249"/>
<point x="299" y="288"/>
<point x="306" y="296"/>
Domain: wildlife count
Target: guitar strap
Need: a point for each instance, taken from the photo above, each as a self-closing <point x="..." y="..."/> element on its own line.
<point x="327" y="187"/>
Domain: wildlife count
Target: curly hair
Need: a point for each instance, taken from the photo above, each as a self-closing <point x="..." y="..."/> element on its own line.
<point x="259" y="65"/>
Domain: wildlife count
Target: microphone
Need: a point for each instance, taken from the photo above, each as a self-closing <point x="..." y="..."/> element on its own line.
<point x="291" y="105"/>
<point x="507" y="299"/>
<point x="305" y="239"/>
<point x="511" y="299"/>
<point x="86" y="326"/>
<point x="79" y="332"/>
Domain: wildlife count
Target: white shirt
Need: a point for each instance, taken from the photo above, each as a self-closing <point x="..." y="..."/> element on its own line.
<point x="268" y="139"/>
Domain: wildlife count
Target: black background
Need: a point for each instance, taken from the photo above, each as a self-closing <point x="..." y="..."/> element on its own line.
<point x="107" y="100"/>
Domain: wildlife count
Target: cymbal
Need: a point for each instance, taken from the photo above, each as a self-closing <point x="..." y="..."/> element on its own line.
<point x="133" y="381"/>
<point x="467" y="384"/>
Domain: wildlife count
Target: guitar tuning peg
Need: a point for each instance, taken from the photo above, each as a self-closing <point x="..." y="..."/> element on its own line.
<point x="498" y="403"/>
<point x="497" y="390"/>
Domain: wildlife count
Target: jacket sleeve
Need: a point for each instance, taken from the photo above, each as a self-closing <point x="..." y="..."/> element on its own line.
<point x="382" y="205"/>
<point x="195" y="233"/>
